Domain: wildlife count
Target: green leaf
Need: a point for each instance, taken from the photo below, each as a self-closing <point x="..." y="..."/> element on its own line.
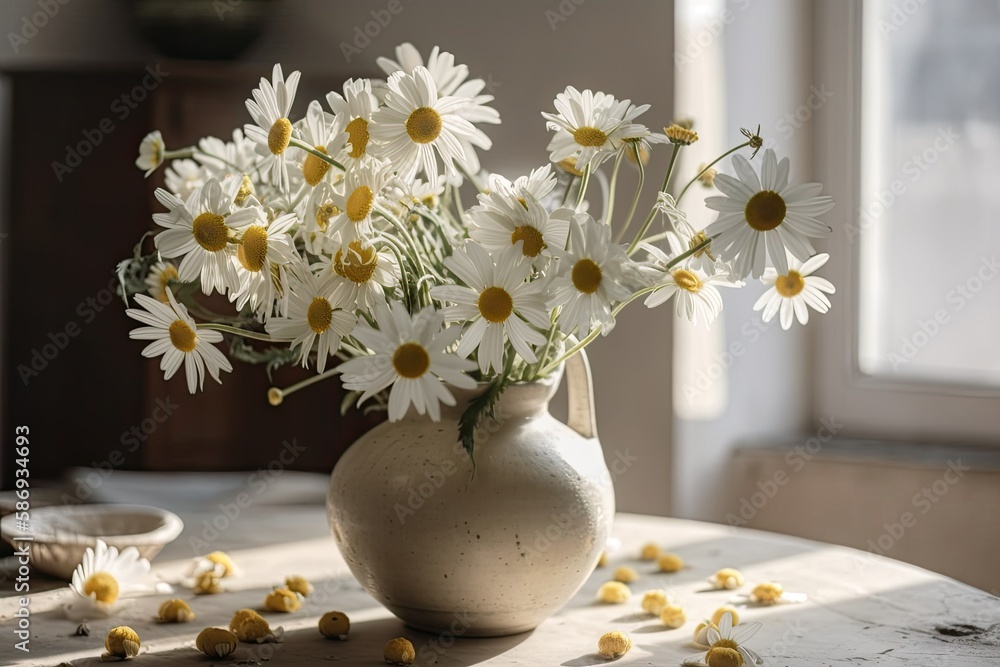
<point x="483" y="406"/>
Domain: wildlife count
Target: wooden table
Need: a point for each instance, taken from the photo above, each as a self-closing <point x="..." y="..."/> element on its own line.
<point x="861" y="609"/>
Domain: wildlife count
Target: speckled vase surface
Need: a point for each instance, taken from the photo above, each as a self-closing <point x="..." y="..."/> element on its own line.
<point x="479" y="552"/>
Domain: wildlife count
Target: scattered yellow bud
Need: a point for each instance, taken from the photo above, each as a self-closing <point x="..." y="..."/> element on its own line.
<point x="670" y="563"/>
<point x="334" y="625"/>
<point x="223" y="559"/>
<point x="216" y="642"/>
<point x="122" y="642"/>
<point x="653" y="602"/>
<point x="399" y="651"/>
<point x="613" y="592"/>
<point x="649" y="552"/>
<point x="175" y="611"/>
<point x="625" y="574"/>
<point x="701" y="633"/>
<point x="283" y="600"/>
<point x="728" y="578"/>
<point x="767" y="593"/>
<point x="298" y="584"/>
<point x="673" y="616"/>
<point x="613" y="645"/>
<point x="717" y="616"/>
<point x="603" y="560"/>
<point x="249" y="626"/>
<point x="240" y="616"/>
<point x="723" y="656"/>
<point x="207" y="583"/>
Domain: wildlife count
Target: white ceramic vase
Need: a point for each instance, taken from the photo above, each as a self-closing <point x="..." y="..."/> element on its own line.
<point x="485" y="551"/>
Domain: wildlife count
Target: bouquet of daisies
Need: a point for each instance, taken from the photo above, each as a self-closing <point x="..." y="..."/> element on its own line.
<point x="342" y="243"/>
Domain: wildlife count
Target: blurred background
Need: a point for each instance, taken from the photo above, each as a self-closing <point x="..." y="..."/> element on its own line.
<point x="890" y="404"/>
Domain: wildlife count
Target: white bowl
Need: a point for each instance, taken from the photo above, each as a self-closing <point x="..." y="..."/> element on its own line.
<point x="61" y="534"/>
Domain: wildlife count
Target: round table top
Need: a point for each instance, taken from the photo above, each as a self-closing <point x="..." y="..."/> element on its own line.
<point x="860" y="608"/>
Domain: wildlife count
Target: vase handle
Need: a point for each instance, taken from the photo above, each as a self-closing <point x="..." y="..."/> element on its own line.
<point x="580" y="385"/>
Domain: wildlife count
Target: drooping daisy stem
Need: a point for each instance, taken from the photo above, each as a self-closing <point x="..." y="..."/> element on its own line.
<point x="612" y="189"/>
<point x="305" y="383"/>
<point x="298" y="143"/>
<point x="709" y="166"/>
<point x="652" y="212"/>
<point x="635" y="197"/>
<point x="236" y="331"/>
<point x="179" y="153"/>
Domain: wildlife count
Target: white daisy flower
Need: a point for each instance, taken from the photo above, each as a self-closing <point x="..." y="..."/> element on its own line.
<point x="263" y="251"/>
<point x="764" y="217"/>
<point x="539" y="183"/>
<point x="319" y="130"/>
<point x="498" y="302"/>
<point x="697" y="292"/>
<point x="183" y="177"/>
<point x="590" y="127"/>
<point x="315" y="315"/>
<point x="176" y="336"/>
<point x="365" y="273"/>
<point x="417" y="125"/>
<point x="416" y="192"/>
<point x="410" y="355"/>
<point x="354" y="111"/>
<point x="102" y="578"/>
<point x="508" y="214"/>
<point x="726" y="645"/>
<point x="362" y="191"/>
<point x="795" y="291"/>
<point x="151" y="151"/>
<point x="270" y="106"/>
<point x="200" y="230"/>
<point x="158" y="278"/>
<point x="223" y="158"/>
<point x="590" y="278"/>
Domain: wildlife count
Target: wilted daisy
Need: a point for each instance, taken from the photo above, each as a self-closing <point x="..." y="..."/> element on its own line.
<point x="771" y="593"/>
<point x="795" y="292"/>
<point x="590" y="127"/>
<point x="201" y="230"/>
<point x="270" y="106"/>
<point x="498" y="302"/>
<point x="263" y="251"/>
<point x="727" y="645"/>
<point x="158" y="278"/>
<point x="319" y="131"/>
<point x="417" y="125"/>
<point x="176" y="337"/>
<point x="102" y="577"/>
<point x="506" y="216"/>
<point x="590" y="278"/>
<point x="151" y="151"/>
<point x="409" y="353"/>
<point x="698" y="297"/>
<point x="315" y="315"/>
<point x="761" y="217"/>
<point x="354" y="111"/>
<point x="362" y="192"/>
<point x="365" y="272"/>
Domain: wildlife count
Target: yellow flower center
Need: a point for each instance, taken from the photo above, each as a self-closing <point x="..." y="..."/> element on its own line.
<point x="103" y="586"/>
<point x="687" y="280"/>
<point x="279" y="136"/>
<point x="319" y="315"/>
<point x="411" y="360"/>
<point x="210" y="231"/>
<point x="523" y="202"/>
<point x="183" y="336"/>
<point x="791" y="284"/>
<point x="723" y="656"/>
<point x="166" y="275"/>
<point x="765" y="211"/>
<point x="424" y="125"/>
<point x="358" y="265"/>
<point x="252" y="251"/>
<point x="495" y="304"/>
<point x="357" y="129"/>
<point x="324" y="213"/>
<point x="315" y="168"/>
<point x="359" y="204"/>
<point x="532" y="238"/>
<point x="589" y="136"/>
<point x="586" y="276"/>
<point x="696" y="241"/>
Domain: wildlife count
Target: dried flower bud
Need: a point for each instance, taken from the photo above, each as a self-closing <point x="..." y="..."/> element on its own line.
<point x="653" y="602"/>
<point x="299" y="585"/>
<point x="223" y="560"/>
<point x="334" y="625"/>
<point x="603" y="560"/>
<point x="625" y="574"/>
<point x="122" y="642"/>
<point x="681" y="136"/>
<point x="613" y="645"/>
<point x="649" y="552"/>
<point x="701" y="633"/>
<point x="399" y="651"/>
<point x="613" y="592"/>
<point x="240" y="616"/>
<point x="669" y="562"/>
<point x="767" y="592"/>
<point x="175" y="611"/>
<point x="727" y="578"/>
<point x="249" y="626"/>
<point x="207" y="583"/>
<point x="283" y="600"/>
<point x="569" y="164"/>
<point x="216" y="642"/>
<point x="717" y="616"/>
<point x="673" y="616"/>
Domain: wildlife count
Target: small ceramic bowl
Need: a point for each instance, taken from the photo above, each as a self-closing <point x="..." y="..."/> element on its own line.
<point x="60" y="535"/>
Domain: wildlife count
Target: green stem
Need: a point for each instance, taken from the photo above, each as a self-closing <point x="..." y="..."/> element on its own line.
<point x="635" y="197"/>
<point x="670" y="167"/>
<point x="584" y="182"/>
<point x="308" y="381"/>
<point x="569" y="187"/>
<point x="710" y="164"/>
<point x="652" y="211"/>
<point x="610" y="208"/>
<point x="320" y="154"/>
<point x="216" y="326"/>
